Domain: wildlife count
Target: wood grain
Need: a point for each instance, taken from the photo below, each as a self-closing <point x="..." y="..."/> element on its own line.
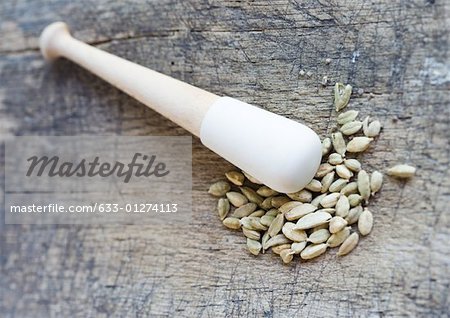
<point x="394" y="53"/>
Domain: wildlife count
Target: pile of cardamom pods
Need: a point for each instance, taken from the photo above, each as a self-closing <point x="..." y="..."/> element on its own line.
<point x="331" y="211"/>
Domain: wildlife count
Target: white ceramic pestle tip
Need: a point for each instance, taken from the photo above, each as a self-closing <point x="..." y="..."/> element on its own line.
<point x="49" y="39"/>
<point x="281" y="153"/>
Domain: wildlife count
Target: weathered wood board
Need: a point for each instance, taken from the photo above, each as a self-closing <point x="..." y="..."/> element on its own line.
<point x="394" y="53"/>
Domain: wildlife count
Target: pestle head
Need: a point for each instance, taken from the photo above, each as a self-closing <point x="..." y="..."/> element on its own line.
<point x="281" y="153"/>
<point x="48" y="40"/>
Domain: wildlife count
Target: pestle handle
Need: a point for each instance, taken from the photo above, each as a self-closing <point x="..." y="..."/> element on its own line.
<point x="180" y="102"/>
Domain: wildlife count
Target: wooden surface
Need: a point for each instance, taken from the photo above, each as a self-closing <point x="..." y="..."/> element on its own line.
<point x="395" y="53"/>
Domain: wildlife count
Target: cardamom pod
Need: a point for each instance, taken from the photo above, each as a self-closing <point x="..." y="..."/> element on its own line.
<point x="353" y="164"/>
<point x="245" y="223"/>
<point x="342" y="206"/>
<point x="289" y="206"/>
<point x="272" y="212"/>
<point x="251" y="234"/>
<point x="326" y="146"/>
<point x="251" y="179"/>
<point x="314" y="186"/>
<point x="335" y="159"/>
<point x="279" y="200"/>
<point x="328" y="210"/>
<point x="353" y="215"/>
<point x="337" y="223"/>
<point x="336" y="239"/>
<point x="265" y="238"/>
<point x="265" y="191"/>
<point x="253" y="223"/>
<point x="313" y="250"/>
<point x="358" y="144"/>
<point x="232" y="223"/>
<point x="253" y="246"/>
<point x="374" y="129"/>
<point x="365" y="222"/>
<point x="223" y="206"/>
<point x="354" y="199"/>
<point x="219" y="189"/>
<point x="324" y="169"/>
<point x="350" y="188"/>
<point x="349" y="244"/>
<point x="341" y="95"/>
<point x="319" y="236"/>
<point x="266" y="204"/>
<point x="338" y="185"/>
<point x="276" y="240"/>
<point x="235" y="177"/>
<point x="347" y="117"/>
<point x="351" y="128"/>
<point x="343" y="172"/>
<point x="297" y="247"/>
<point x="402" y="171"/>
<point x="330" y="200"/>
<point x="292" y="234"/>
<point x="316" y="200"/>
<point x="267" y="220"/>
<point x="311" y="220"/>
<point x="376" y="180"/>
<point x="277" y="249"/>
<point x="366" y="125"/>
<point x="258" y="213"/>
<point x="321" y="226"/>
<point x="327" y="180"/>
<point x="338" y="143"/>
<point x="302" y="196"/>
<point x="287" y="255"/>
<point x="236" y="199"/>
<point x="364" y="184"/>
<point x="276" y="225"/>
<point x="251" y="195"/>
<point x="300" y="211"/>
<point x="244" y="210"/>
